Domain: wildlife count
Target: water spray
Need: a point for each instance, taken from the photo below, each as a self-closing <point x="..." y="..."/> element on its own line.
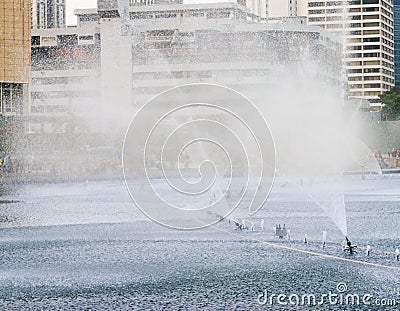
<point x="323" y="239"/>
<point x="368" y="250"/>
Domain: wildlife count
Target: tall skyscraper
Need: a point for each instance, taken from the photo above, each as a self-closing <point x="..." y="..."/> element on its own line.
<point x="48" y="14"/>
<point x="367" y="26"/>
<point x="15" y="42"/>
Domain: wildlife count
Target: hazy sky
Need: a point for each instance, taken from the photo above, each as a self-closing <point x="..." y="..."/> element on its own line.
<point x="88" y="4"/>
<point x="77" y="4"/>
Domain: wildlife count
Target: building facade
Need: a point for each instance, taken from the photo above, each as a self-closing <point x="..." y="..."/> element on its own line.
<point x="15" y="39"/>
<point x="88" y="81"/>
<point x="48" y="14"/>
<point x="367" y="26"/>
<point x="162" y="46"/>
<point x="65" y="70"/>
<point x="396" y="17"/>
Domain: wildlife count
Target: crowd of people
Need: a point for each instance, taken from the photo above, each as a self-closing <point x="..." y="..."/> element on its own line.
<point x="52" y="165"/>
<point x="10" y="165"/>
<point x="388" y="160"/>
<point x="45" y="164"/>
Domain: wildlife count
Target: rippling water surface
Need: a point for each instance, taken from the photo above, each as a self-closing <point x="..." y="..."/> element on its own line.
<point x="86" y="246"/>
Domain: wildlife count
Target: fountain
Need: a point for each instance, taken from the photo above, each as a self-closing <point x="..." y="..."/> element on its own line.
<point x="281" y="232"/>
<point x="284" y="115"/>
<point x="368" y="250"/>
<point x="323" y="239"/>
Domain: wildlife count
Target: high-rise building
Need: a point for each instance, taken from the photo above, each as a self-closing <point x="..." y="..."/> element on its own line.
<point x="396" y="17"/>
<point x="367" y="26"/>
<point x="48" y="14"/>
<point x="15" y="42"/>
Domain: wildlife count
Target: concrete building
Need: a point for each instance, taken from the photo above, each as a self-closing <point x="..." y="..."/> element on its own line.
<point x="367" y="26"/>
<point x="48" y="14"/>
<point x="15" y="41"/>
<point x="396" y="17"/>
<point x="65" y="71"/>
<point x="159" y="46"/>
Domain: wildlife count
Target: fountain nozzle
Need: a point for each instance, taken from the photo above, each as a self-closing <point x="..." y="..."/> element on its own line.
<point x="350" y="248"/>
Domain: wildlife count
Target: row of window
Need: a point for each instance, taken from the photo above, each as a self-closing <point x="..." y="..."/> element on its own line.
<point x="65" y="94"/>
<point x="341" y="25"/>
<point x="11" y="98"/>
<point x="43" y="109"/>
<point x="365" y="86"/>
<point x="387" y="20"/>
<point x="387" y="65"/>
<point x="388" y="36"/>
<point x="61" y="80"/>
<point x="211" y="15"/>
<point x="367" y="93"/>
<point x="339" y="3"/>
<point x="49" y="15"/>
<point x="366" y="55"/>
<point x="365" y="70"/>
<point x="371" y="78"/>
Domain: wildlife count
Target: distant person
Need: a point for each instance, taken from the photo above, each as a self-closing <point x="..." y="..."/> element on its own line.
<point x="7" y="164"/>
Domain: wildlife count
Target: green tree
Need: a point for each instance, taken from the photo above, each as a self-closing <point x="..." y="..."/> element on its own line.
<point x="391" y="102"/>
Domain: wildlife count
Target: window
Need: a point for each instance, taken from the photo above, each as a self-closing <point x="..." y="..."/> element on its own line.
<point x="371" y="78"/>
<point x="370" y="1"/>
<point x="85" y="37"/>
<point x="218" y="15"/>
<point x="371" y="32"/>
<point x="376" y="24"/>
<point x="354" y="71"/>
<point x="371" y="16"/>
<point x="317" y="12"/>
<point x="10" y="98"/>
<point x="371" y="70"/>
<point x="166" y="15"/>
<point x="354" y="48"/>
<point x="371" y="40"/>
<point x="313" y="4"/>
<point x="371" y="47"/>
<point x="35" y="40"/>
<point x="370" y="9"/>
<point x="371" y="54"/>
<point x="141" y="16"/>
<point x="316" y="19"/>
<point x="372" y="85"/>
